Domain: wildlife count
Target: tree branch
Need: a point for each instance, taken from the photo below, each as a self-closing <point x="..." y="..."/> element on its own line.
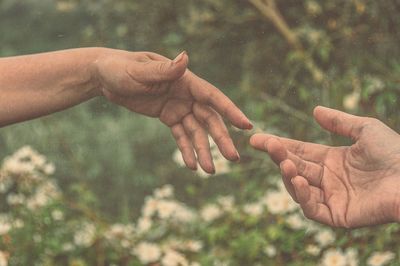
<point x="269" y="9"/>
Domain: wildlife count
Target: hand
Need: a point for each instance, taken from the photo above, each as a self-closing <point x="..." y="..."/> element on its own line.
<point x="349" y="186"/>
<point x="155" y="86"/>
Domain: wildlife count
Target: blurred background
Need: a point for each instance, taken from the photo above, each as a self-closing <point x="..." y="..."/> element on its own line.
<point x="98" y="185"/>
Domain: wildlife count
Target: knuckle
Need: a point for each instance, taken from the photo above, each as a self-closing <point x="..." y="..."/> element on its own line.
<point x="335" y="124"/>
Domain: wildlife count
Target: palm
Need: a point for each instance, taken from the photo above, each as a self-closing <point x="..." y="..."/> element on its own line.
<point x="152" y="85"/>
<point x="347" y="186"/>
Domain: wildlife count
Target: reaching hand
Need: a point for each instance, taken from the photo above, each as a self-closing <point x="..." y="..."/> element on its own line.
<point x="155" y="86"/>
<point x="349" y="186"/>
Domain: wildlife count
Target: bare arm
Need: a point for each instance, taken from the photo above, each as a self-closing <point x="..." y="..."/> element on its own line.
<point x="40" y="84"/>
<point x="143" y="82"/>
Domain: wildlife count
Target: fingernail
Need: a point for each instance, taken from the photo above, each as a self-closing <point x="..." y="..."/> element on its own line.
<point x="179" y="57"/>
<point x="237" y="157"/>
<point x="249" y="125"/>
<point x="213" y="170"/>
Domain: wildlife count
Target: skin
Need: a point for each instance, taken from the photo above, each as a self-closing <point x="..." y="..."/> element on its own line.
<point x="349" y="186"/>
<point x="144" y="82"/>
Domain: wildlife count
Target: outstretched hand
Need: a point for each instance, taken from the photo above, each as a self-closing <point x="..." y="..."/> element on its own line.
<point x="350" y="186"/>
<point x="150" y="84"/>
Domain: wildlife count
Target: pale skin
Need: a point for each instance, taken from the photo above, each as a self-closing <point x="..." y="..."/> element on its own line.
<point x="146" y="83"/>
<point x="348" y="186"/>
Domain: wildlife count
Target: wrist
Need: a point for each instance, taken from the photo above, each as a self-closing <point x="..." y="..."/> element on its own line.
<point x="97" y="53"/>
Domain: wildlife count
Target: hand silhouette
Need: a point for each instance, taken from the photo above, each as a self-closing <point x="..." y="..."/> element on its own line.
<point x="350" y="186"/>
<point x="150" y="84"/>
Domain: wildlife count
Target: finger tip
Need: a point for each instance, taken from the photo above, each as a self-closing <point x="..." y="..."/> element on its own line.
<point x="253" y="140"/>
<point x="233" y="156"/>
<point x="209" y="168"/>
<point x="193" y="167"/>
<point x="318" y="109"/>
<point x="249" y="125"/>
<point x="211" y="171"/>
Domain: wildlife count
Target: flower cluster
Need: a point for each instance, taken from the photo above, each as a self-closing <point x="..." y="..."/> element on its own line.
<point x="168" y="232"/>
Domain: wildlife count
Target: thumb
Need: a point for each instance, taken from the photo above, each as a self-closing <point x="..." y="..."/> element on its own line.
<point x="339" y="122"/>
<point x="164" y="71"/>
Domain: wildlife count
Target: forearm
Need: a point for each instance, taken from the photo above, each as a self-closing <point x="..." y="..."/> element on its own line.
<point x="40" y="84"/>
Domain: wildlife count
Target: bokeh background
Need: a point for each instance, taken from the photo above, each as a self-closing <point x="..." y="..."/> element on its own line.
<point x="98" y="185"/>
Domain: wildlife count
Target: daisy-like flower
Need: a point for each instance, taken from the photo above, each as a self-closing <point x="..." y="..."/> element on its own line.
<point x="333" y="257"/>
<point x="147" y="252"/>
<point x="380" y="258"/>
<point x="210" y="212"/>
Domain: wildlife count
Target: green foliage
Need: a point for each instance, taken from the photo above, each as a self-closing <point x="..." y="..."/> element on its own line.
<point x="108" y="160"/>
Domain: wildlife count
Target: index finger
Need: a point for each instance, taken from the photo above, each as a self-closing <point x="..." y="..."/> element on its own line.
<point x="208" y="94"/>
<point x="305" y="150"/>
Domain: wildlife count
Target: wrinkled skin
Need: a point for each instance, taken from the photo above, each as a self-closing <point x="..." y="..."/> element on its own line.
<point x="351" y="186"/>
<point x="152" y="85"/>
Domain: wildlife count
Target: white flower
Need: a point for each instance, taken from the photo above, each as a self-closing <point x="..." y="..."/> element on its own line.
<point x="279" y="202"/>
<point x="373" y="84"/>
<point x="44" y="194"/>
<point x="351" y="257"/>
<point x="173" y="258"/>
<point x="178" y="159"/>
<point x="57" y="215"/>
<point x="193" y="245"/>
<point x="222" y="166"/>
<point x="166" y="209"/>
<point x="120" y="234"/>
<point x="226" y="202"/>
<point x="49" y="169"/>
<point x="325" y="237"/>
<point x="184" y="214"/>
<point x="296" y="221"/>
<point x="18" y="223"/>
<point x="165" y="191"/>
<point x="3" y="258"/>
<point x="14" y="166"/>
<point x="85" y="236"/>
<point x="143" y="225"/>
<point x="270" y="250"/>
<point x="147" y="252"/>
<point x="150" y="207"/>
<point x="24" y="161"/>
<point x="313" y="250"/>
<point x="351" y="101"/>
<point x="380" y="258"/>
<point x="253" y="209"/>
<point x="15" y="199"/>
<point x="333" y="257"/>
<point x="210" y="212"/>
<point x="183" y="245"/>
<point x="5" y="225"/>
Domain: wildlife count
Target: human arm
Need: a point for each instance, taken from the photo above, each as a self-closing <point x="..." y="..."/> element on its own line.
<point x="144" y="82"/>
